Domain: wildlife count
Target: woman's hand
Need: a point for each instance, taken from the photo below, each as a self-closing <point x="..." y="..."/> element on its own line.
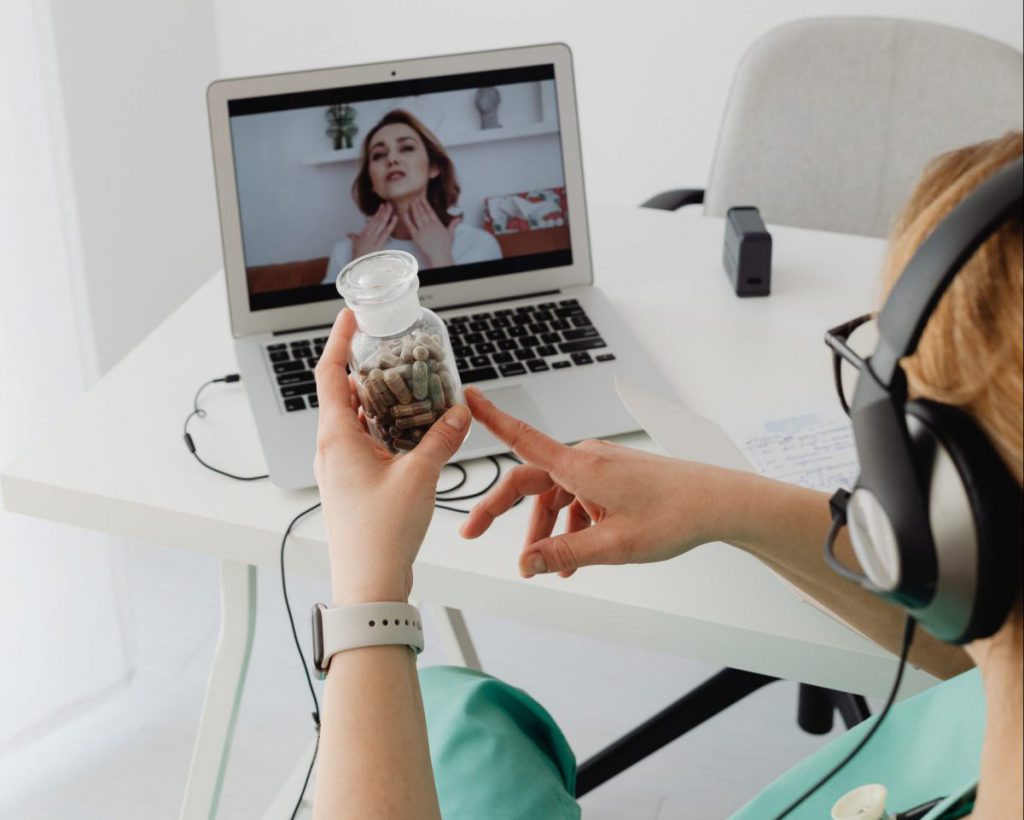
<point x="625" y="506"/>
<point x="375" y="232"/>
<point x="377" y="507"/>
<point x="429" y="232"/>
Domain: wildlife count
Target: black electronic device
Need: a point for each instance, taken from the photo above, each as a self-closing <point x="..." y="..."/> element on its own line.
<point x="935" y="515"/>
<point x="747" y="252"/>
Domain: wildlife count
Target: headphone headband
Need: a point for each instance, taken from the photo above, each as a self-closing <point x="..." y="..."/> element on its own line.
<point x="936" y="262"/>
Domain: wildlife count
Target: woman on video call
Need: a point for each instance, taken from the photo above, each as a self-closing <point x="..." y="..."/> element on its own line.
<point x="407" y="186"/>
<point x="495" y="752"/>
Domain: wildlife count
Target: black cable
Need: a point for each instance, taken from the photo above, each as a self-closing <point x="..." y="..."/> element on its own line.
<point x="302" y="656"/>
<point x="198" y="412"/>
<point x="908" y="638"/>
<point x="444" y="495"/>
<point x="478" y="493"/>
<point x="459" y="483"/>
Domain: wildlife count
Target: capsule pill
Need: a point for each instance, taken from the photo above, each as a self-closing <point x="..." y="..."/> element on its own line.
<point x="388" y="359"/>
<point x="413" y="409"/>
<point x="407" y="346"/>
<point x="370" y="407"/>
<point x="431" y="344"/>
<point x="448" y="384"/>
<point x="379" y="388"/>
<point x="396" y="384"/>
<point x="420" y="386"/>
<point x="420" y="353"/>
<point x="418" y="420"/>
<point x="436" y="392"/>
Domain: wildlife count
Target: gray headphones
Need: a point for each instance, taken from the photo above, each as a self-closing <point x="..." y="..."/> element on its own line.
<point x="935" y="516"/>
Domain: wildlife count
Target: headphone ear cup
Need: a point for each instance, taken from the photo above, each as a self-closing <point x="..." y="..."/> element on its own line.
<point x="994" y="508"/>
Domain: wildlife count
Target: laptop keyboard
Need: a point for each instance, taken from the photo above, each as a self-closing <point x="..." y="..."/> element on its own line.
<point x="528" y="339"/>
<point x="487" y="345"/>
<point x="293" y="364"/>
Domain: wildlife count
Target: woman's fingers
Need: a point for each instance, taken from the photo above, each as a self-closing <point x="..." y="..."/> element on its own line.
<point x="332" y="384"/>
<point x="567" y="552"/>
<point x="545" y="512"/>
<point x="425" y="212"/>
<point x="517" y="483"/>
<point x="528" y="443"/>
<point x="577" y="517"/>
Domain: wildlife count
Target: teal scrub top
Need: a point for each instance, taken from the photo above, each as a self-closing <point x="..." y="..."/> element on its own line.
<point x="498" y="754"/>
<point x="929" y="746"/>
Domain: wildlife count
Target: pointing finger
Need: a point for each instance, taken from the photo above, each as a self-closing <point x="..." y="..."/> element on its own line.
<point x="528" y="443"/>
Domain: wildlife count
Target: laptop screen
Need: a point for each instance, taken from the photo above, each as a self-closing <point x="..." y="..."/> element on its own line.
<point x="465" y="172"/>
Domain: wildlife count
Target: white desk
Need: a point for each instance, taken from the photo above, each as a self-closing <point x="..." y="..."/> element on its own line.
<point x="117" y="463"/>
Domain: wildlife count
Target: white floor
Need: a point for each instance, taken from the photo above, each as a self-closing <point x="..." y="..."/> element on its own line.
<point x="129" y="758"/>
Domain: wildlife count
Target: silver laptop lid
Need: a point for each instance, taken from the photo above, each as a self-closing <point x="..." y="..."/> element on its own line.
<point x="489" y="139"/>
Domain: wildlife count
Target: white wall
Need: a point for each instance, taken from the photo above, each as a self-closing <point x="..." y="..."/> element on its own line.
<point x="133" y="77"/>
<point x="652" y="75"/>
<point x="65" y="641"/>
<point x="292" y="210"/>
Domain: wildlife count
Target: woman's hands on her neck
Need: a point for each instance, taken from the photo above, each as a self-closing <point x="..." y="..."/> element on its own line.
<point x="418" y="221"/>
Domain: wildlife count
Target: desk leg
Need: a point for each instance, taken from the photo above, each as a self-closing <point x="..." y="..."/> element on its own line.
<point x="454" y="634"/>
<point x="223" y="691"/>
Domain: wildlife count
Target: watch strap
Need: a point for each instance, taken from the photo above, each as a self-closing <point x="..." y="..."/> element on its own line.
<point x="372" y="624"/>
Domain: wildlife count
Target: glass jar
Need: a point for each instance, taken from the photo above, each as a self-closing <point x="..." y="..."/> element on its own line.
<point x="401" y="355"/>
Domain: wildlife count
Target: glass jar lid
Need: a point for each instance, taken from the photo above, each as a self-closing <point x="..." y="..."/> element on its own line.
<point x="378" y="278"/>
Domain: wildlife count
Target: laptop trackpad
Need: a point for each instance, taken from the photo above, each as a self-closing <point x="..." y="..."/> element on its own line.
<point x="516" y="402"/>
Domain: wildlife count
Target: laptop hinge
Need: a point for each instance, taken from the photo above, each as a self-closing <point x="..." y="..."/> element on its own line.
<point x="495" y="301"/>
<point x="434" y="307"/>
<point x="300" y="330"/>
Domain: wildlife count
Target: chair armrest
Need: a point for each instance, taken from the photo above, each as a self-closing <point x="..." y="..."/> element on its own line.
<point x="673" y="200"/>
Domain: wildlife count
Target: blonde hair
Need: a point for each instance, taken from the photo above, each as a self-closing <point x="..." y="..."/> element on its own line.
<point x="971" y="353"/>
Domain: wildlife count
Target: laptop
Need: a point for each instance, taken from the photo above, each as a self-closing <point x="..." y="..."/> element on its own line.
<point x="297" y="190"/>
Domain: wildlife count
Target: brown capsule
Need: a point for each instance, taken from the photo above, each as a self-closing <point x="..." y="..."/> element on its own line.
<point x="370" y="407"/>
<point x="418" y="420"/>
<point x="396" y="384"/>
<point x="404" y="444"/>
<point x="414" y="409"/>
<point x="375" y="382"/>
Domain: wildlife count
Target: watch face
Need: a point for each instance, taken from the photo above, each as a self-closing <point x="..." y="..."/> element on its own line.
<point x="318" y="640"/>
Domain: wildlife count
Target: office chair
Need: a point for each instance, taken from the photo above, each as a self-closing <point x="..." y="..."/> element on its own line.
<point x="830" y="121"/>
<point x="828" y="125"/>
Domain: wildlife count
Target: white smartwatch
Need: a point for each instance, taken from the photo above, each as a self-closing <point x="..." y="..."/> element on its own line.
<point x="359" y="625"/>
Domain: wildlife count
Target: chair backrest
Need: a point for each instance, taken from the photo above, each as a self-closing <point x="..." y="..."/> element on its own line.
<point x="830" y="121"/>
